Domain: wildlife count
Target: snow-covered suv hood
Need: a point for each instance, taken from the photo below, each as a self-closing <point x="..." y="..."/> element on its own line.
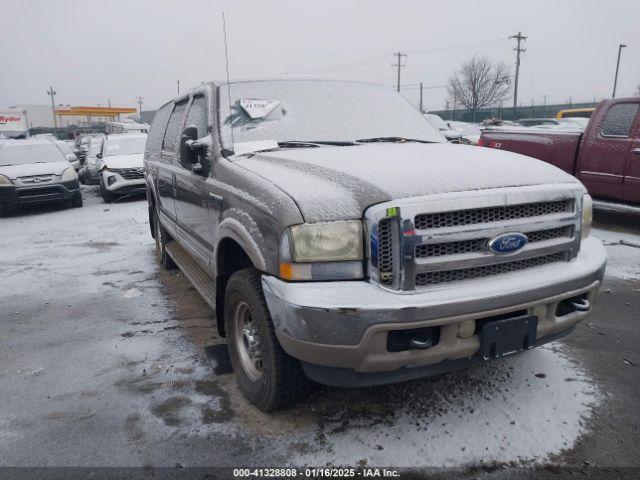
<point x="28" y="169"/>
<point x="124" y="161"/>
<point x="334" y="183"/>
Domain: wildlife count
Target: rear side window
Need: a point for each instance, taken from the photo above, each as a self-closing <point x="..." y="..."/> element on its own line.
<point x="198" y="115"/>
<point x="173" y="128"/>
<point x="619" y="120"/>
<point x="154" y="142"/>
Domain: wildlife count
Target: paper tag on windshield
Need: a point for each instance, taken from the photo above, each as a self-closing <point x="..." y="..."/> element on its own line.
<point x="257" y="108"/>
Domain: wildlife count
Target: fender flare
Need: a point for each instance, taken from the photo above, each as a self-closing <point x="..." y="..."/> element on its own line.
<point x="231" y="228"/>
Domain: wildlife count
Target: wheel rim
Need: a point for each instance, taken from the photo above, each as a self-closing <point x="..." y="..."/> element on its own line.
<point x="158" y="239"/>
<point x="247" y="341"/>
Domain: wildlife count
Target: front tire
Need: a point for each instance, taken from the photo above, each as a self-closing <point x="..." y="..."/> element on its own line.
<point x="267" y="376"/>
<point x="162" y="238"/>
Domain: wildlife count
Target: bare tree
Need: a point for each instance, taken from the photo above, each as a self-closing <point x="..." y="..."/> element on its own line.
<point x="638" y="90"/>
<point x="479" y="83"/>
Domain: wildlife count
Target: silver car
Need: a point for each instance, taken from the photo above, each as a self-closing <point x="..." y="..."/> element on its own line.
<point x="90" y="172"/>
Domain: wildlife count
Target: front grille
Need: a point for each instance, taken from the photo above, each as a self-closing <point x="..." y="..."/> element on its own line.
<point x="36" y="179"/>
<point x="432" y="278"/>
<point x="385" y="251"/>
<point x="490" y="214"/>
<point x="34" y="192"/>
<point x="129" y="173"/>
<point x="479" y="244"/>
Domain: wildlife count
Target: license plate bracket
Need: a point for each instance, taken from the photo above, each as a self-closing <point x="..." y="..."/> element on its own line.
<point x="503" y="337"/>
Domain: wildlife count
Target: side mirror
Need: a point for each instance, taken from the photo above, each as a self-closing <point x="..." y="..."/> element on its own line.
<point x="190" y="149"/>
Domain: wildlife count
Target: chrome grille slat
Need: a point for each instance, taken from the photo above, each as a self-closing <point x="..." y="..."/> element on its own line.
<point x="129" y="173"/>
<point x="446" y="276"/>
<point x="441" y="238"/>
<point x="473" y="216"/>
<point x="35" y="179"/>
<point x="427" y="250"/>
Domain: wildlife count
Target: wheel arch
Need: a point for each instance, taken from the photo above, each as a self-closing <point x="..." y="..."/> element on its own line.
<point x="236" y="250"/>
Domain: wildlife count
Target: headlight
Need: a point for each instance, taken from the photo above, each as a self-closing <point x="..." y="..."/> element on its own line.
<point x="322" y="251"/>
<point x="5" y="182"/>
<point x="69" y="174"/>
<point x="587" y="215"/>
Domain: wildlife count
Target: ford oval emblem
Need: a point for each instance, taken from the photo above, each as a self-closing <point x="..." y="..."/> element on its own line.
<point x="507" y="243"/>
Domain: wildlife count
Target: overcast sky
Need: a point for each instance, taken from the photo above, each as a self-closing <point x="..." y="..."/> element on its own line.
<point x="92" y="51"/>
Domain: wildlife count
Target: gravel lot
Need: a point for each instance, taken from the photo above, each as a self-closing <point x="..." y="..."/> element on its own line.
<point x="102" y="363"/>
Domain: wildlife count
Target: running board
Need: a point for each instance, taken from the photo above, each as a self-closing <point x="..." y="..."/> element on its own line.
<point x="199" y="278"/>
<point x="616" y="207"/>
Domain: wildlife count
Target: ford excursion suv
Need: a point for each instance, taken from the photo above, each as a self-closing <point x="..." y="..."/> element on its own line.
<point x="340" y="239"/>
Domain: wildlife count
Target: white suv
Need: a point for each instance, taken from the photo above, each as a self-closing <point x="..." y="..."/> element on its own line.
<point x="121" y="168"/>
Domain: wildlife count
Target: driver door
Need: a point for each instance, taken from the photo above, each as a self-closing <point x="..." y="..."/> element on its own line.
<point x="191" y="194"/>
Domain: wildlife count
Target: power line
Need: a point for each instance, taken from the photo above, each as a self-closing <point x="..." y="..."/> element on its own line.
<point x="379" y="58"/>
<point x="519" y="37"/>
<point x="399" y="65"/>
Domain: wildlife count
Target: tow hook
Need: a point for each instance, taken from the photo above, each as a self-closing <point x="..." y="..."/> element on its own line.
<point x="581" y="305"/>
<point x="421" y="344"/>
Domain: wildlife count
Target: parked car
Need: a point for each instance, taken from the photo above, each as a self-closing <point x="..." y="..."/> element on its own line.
<point x="67" y="150"/>
<point x="121" y="165"/>
<point x="82" y="145"/>
<point x="90" y="171"/>
<point x="440" y="125"/>
<point x="470" y="132"/>
<point x="575" y="113"/>
<point x="35" y="171"/>
<point x="574" y="122"/>
<point x="533" y="122"/>
<point x="606" y="157"/>
<point x="340" y="238"/>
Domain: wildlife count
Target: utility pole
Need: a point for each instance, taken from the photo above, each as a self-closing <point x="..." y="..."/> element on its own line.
<point x="519" y="37"/>
<point x="544" y="114"/>
<point x="140" y="107"/>
<point x="615" y="81"/>
<point x="399" y="64"/>
<point x="52" y="93"/>
<point x="178" y="87"/>
<point x="421" y="109"/>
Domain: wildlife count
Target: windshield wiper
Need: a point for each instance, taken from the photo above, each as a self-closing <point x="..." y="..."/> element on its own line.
<point x="391" y="140"/>
<point x="313" y="143"/>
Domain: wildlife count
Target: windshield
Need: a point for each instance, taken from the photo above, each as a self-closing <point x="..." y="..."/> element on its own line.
<point x="125" y="146"/>
<point x="26" y="153"/>
<point x="65" y="147"/>
<point x="312" y="110"/>
<point x="94" y="148"/>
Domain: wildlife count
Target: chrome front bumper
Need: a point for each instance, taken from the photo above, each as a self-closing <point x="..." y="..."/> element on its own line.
<point x="345" y="324"/>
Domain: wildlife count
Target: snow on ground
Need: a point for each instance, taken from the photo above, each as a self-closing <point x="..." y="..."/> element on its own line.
<point x="522" y="409"/>
<point x="121" y="338"/>
<point x="623" y="261"/>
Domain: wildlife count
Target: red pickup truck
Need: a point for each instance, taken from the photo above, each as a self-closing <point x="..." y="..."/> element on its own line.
<point x="606" y="157"/>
